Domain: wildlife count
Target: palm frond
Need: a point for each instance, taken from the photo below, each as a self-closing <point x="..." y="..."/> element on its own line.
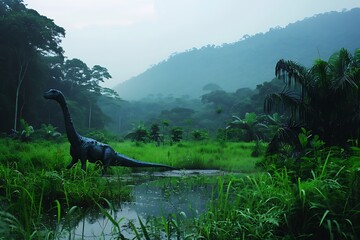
<point x="344" y="83"/>
<point x="343" y="69"/>
<point x="356" y="58"/>
<point x="340" y="61"/>
<point x="320" y="74"/>
<point x="291" y="72"/>
<point x="286" y="134"/>
<point x="287" y="99"/>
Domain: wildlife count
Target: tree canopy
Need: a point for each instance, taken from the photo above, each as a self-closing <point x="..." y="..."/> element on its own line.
<point x="324" y="98"/>
<point x="31" y="61"/>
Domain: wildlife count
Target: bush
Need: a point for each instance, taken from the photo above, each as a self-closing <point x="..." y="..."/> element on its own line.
<point x="199" y="135"/>
<point x="98" y="136"/>
<point x="176" y="134"/>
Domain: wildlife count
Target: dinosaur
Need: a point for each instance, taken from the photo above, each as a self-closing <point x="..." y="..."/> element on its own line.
<point x="83" y="148"/>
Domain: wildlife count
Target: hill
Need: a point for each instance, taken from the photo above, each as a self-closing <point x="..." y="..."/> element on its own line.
<point x="249" y="61"/>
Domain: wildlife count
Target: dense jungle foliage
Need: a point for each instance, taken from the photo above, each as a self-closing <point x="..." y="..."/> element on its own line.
<point x="300" y="157"/>
<point x="32" y="61"/>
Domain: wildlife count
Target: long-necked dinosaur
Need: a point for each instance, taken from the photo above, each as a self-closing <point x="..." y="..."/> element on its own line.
<point x="83" y="148"/>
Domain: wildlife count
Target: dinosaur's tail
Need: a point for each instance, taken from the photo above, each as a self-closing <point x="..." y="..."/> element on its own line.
<point x="122" y="160"/>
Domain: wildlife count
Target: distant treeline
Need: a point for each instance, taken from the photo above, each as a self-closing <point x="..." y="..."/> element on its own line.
<point x="213" y="111"/>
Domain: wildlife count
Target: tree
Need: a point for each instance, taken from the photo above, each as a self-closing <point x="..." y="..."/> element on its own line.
<point x="176" y="134"/>
<point x="199" y="135"/>
<point x="155" y="134"/>
<point x="220" y="99"/>
<point x="251" y="127"/>
<point x="98" y="74"/>
<point x="76" y="72"/>
<point x="25" y="36"/>
<point x="324" y="99"/>
<point x="139" y="134"/>
<point x="86" y="80"/>
<point x="211" y="87"/>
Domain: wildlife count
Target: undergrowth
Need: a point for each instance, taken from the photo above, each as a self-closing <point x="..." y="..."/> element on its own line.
<point x="275" y="206"/>
<point x="34" y="185"/>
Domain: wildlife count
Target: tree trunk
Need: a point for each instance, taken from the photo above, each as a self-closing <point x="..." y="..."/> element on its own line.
<point x="21" y="77"/>
<point x="90" y="113"/>
<point x="119" y="123"/>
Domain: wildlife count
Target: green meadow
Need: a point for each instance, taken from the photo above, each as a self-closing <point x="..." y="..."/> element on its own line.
<point x="227" y="156"/>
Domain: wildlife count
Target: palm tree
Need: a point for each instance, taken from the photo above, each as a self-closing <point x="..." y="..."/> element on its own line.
<point x="324" y="98"/>
<point x="251" y="126"/>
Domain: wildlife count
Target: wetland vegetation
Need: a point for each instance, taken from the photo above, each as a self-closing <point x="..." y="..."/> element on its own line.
<point x="288" y="151"/>
<point x="40" y="199"/>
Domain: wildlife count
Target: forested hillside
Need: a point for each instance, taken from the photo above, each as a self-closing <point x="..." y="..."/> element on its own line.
<point x="247" y="62"/>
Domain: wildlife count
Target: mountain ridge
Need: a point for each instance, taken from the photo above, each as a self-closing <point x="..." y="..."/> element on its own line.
<point x="249" y="61"/>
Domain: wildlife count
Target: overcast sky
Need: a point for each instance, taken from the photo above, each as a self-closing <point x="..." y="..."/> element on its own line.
<point x="128" y="36"/>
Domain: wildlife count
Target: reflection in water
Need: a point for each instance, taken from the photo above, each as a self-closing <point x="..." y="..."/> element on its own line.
<point x="166" y="195"/>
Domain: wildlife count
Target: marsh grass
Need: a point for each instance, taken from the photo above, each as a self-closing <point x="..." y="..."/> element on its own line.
<point x="229" y="156"/>
<point x="278" y="204"/>
<point x="34" y="185"/>
<point x="273" y="206"/>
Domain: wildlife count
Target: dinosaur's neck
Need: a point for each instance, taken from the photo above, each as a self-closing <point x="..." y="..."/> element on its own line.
<point x="71" y="133"/>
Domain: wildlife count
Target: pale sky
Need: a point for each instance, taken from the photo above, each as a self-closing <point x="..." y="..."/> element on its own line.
<point x="128" y="36"/>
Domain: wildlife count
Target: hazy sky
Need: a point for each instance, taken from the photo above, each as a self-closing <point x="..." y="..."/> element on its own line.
<point x="128" y="36"/>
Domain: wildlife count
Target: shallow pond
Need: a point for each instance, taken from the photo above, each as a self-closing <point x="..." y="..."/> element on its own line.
<point x="186" y="193"/>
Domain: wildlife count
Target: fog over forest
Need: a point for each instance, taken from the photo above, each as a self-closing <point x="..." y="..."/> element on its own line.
<point x="232" y="79"/>
<point x="248" y="62"/>
<point x="201" y="88"/>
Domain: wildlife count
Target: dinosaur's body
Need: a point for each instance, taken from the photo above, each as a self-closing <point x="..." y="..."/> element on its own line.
<point x="83" y="148"/>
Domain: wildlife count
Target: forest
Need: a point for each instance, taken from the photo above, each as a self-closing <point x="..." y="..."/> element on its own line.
<point x="286" y="153"/>
<point x="32" y="61"/>
<point x="247" y="62"/>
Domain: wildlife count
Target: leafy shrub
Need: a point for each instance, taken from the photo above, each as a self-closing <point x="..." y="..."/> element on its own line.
<point x="229" y="134"/>
<point x="176" y="134"/>
<point x="139" y="134"/>
<point x="48" y="132"/>
<point x="99" y="136"/>
<point x="301" y="158"/>
<point x="200" y="135"/>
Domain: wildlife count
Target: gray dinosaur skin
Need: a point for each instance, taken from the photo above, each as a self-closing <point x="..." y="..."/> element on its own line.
<point x="83" y="148"/>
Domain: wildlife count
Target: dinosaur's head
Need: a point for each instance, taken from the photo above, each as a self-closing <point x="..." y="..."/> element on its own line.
<point x="53" y="94"/>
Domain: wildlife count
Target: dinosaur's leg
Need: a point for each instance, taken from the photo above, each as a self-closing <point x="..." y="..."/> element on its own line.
<point x="108" y="157"/>
<point x="72" y="163"/>
<point x="83" y="163"/>
<point x="83" y="157"/>
<point x="74" y="159"/>
<point x="98" y="164"/>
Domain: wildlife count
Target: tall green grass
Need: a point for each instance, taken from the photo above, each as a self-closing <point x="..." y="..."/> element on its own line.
<point x="229" y="156"/>
<point x="273" y="206"/>
<point x="34" y="184"/>
<point x="316" y="199"/>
